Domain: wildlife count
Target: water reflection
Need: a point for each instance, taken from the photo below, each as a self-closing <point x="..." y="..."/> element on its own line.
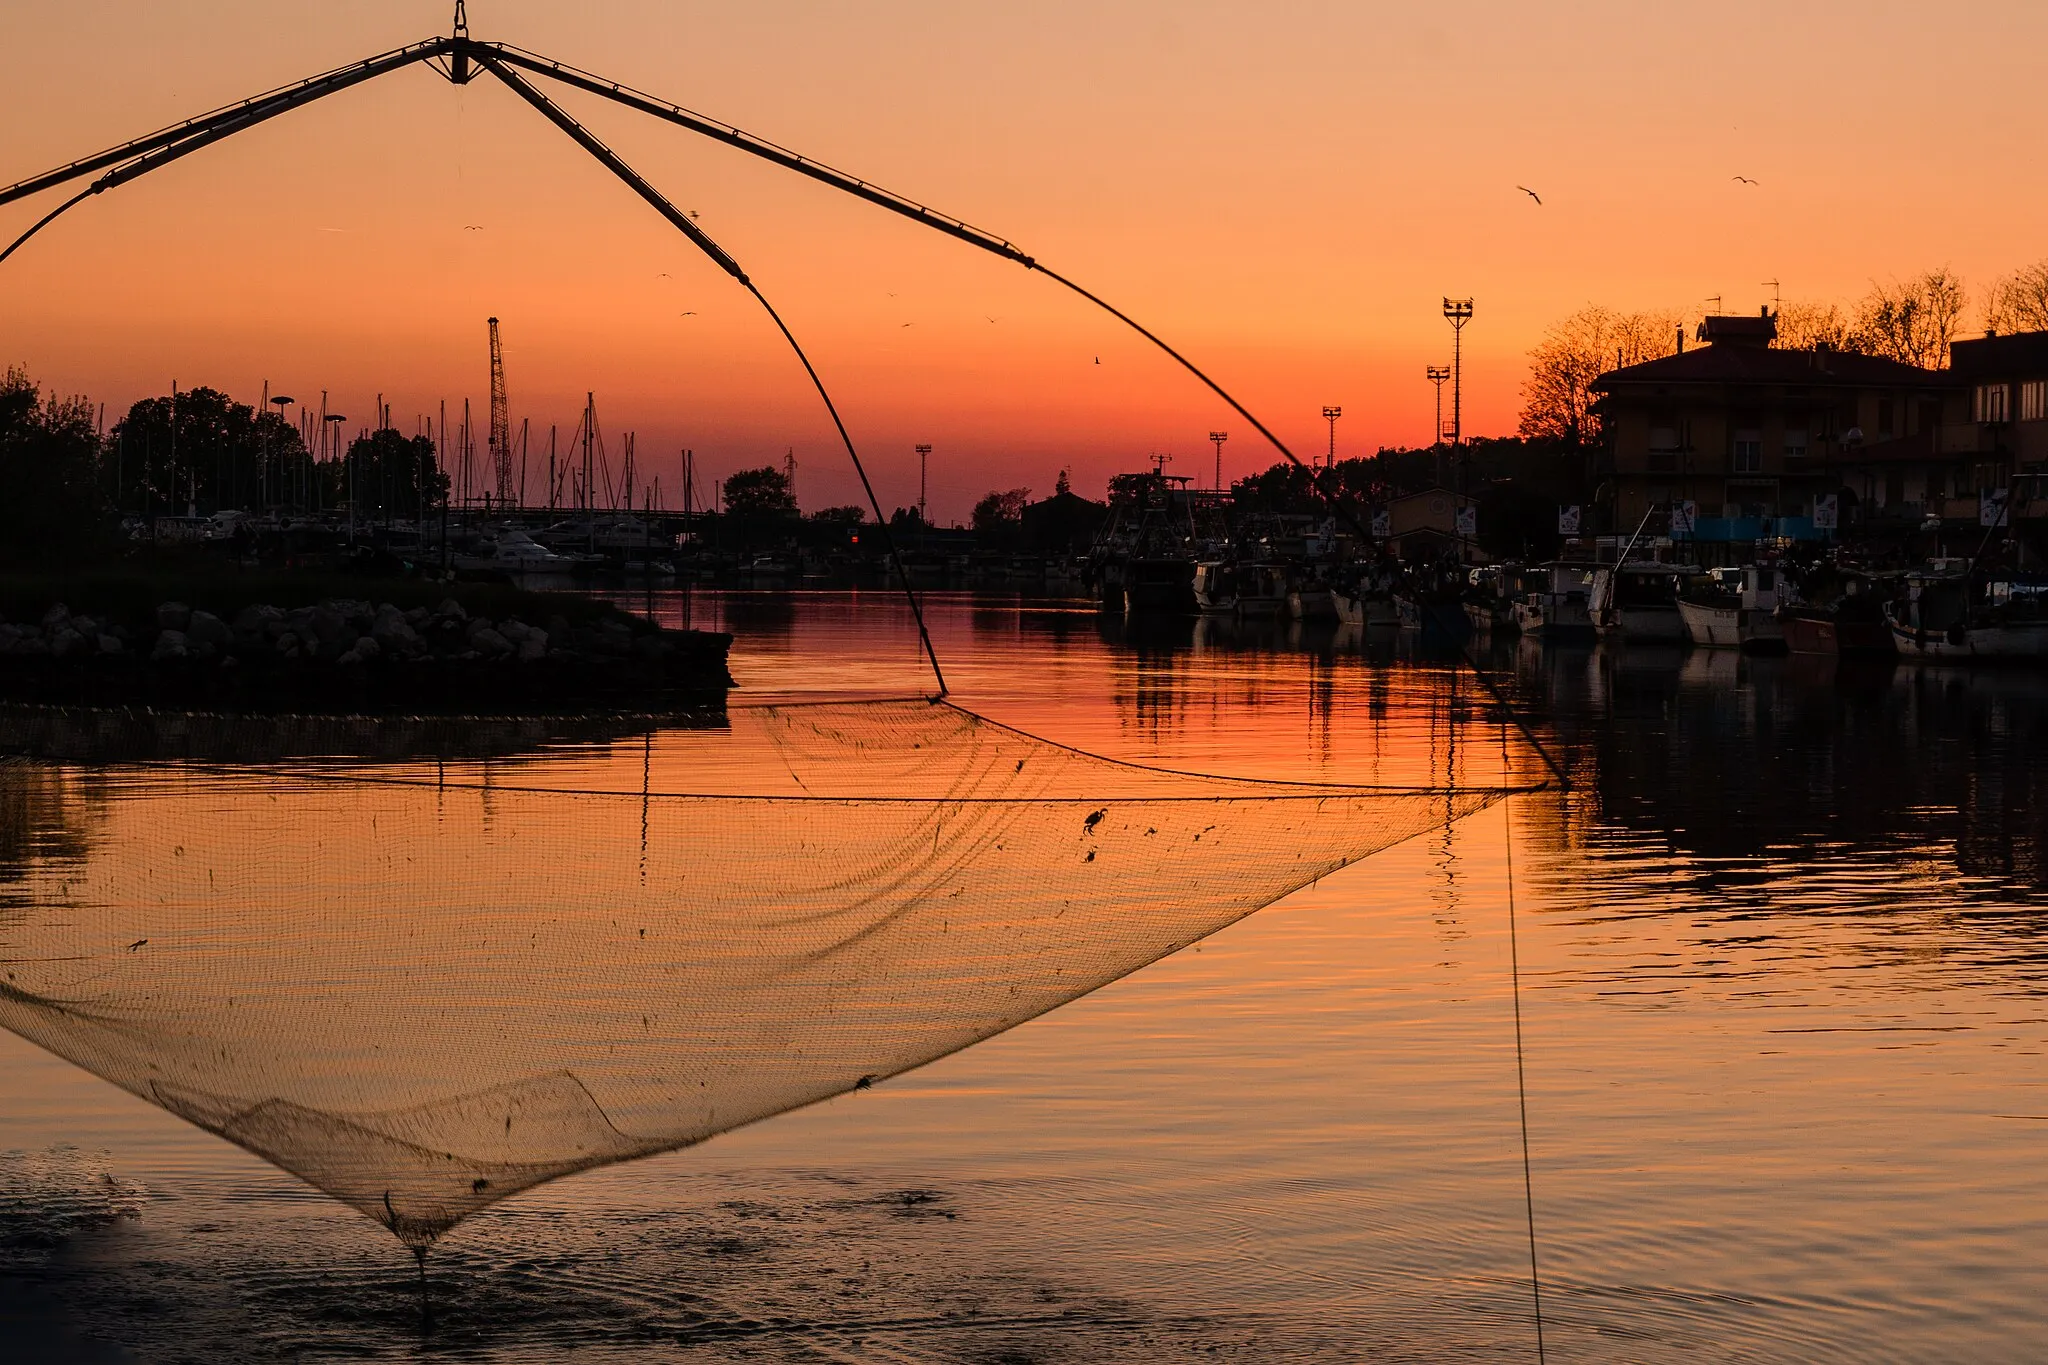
<point x="1779" y="948"/>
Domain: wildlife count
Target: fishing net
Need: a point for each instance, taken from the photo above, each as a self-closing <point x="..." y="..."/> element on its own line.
<point x="423" y="988"/>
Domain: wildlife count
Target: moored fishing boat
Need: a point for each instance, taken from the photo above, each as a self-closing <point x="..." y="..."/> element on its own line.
<point x="1945" y="617"/>
<point x="1637" y="602"/>
<point x="1738" y="614"/>
<point x="1554" y="608"/>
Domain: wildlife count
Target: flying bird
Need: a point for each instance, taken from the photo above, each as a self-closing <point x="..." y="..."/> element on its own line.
<point x="990" y="319"/>
<point x="472" y="227"/>
<point x="1745" y="180"/>
<point x="664" y="275"/>
<point x="909" y="324"/>
<point x="1531" y="193"/>
<point x="692" y="313"/>
<point x="1098" y="360"/>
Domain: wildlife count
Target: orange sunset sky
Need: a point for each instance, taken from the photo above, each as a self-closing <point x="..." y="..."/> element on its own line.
<point x="1286" y="191"/>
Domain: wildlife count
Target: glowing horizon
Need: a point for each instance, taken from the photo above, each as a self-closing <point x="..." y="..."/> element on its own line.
<point x="1272" y="192"/>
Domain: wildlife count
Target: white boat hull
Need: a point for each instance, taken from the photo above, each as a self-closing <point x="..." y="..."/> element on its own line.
<point x="1660" y="625"/>
<point x="1365" y="611"/>
<point x="1729" y="627"/>
<point x="1549" y="615"/>
<point x="2028" y="640"/>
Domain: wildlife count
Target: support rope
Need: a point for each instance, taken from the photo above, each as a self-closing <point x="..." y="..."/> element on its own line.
<point x="724" y="260"/>
<point x="1521" y="1071"/>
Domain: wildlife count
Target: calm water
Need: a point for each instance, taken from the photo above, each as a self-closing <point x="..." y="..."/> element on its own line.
<point x="1781" y="989"/>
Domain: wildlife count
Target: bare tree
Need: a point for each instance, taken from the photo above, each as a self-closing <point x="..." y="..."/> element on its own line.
<point x="1912" y="321"/>
<point x="1803" y="326"/>
<point x="1557" y="397"/>
<point x="2019" y="302"/>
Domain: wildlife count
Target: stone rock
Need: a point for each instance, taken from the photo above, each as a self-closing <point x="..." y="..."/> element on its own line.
<point x="111" y="645"/>
<point x="65" y="642"/>
<point x="171" y="616"/>
<point x="490" y="643"/>
<point x="288" y="644"/>
<point x="56" y="616"/>
<point x="451" y="609"/>
<point x="30" y="645"/>
<point x="170" y="644"/>
<point x="260" y="618"/>
<point x="393" y="632"/>
<point x="208" y="629"/>
<point x="533" y="646"/>
<point x="366" y="647"/>
<point x="653" y="647"/>
<point x="8" y="636"/>
<point x="329" y="624"/>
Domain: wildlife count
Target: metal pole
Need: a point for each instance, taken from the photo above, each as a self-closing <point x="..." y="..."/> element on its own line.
<point x="923" y="454"/>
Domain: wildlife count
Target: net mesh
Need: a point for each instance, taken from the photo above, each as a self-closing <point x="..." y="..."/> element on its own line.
<point x="422" y="993"/>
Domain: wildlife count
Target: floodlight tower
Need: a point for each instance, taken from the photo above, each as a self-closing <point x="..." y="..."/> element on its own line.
<point x="923" y="454"/>
<point x="1437" y="375"/>
<point x="1219" y="437"/>
<point x="1457" y="312"/>
<point x="1331" y="415"/>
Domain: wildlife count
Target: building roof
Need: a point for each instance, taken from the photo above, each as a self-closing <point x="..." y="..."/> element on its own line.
<point x="1740" y="364"/>
<point x="2001" y="357"/>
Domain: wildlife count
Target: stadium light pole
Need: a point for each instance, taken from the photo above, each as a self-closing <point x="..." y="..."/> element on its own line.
<point x="1219" y="437"/>
<point x="1331" y="415"/>
<point x="1437" y="375"/>
<point x="923" y="453"/>
<point x="1457" y="312"/>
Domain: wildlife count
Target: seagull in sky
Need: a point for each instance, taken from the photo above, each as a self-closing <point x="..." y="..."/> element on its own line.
<point x="908" y="324"/>
<point x="1745" y="180"/>
<point x="664" y="275"/>
<point x="1531" y="193"/>
<point x="990" y="319"/>
<point x="472" y="227"/>
<point x="692" y="313"/>
<point x="1098" y="360"/>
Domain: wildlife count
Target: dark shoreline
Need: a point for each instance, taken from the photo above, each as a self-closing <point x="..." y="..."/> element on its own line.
<point x="279" y="643"/>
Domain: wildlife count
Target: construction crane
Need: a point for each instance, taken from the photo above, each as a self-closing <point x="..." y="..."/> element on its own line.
<point x="501" y="420"/>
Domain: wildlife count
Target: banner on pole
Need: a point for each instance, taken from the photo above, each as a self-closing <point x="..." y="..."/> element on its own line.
<point x="1468" y="522"/>
<point x="1568" y="520"/>
<point x="1685" y="518"/>
<point x="1991" y="507"/>
<point x="1827" y="511"/>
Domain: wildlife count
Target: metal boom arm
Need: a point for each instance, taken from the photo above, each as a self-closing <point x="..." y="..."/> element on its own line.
<point x="242" y="115"/>
<point x="611" y="161"/>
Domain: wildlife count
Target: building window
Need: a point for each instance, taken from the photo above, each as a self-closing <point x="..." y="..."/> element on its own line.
<point x="1749" y="451"/>
<point x="1795" y="435"/>
<point x="2034" y="400"/>
<point x="1884" y="419"/>
<point x="1987" y="404"/>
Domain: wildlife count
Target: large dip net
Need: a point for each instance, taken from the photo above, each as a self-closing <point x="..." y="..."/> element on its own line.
<point x="422" y="988"/>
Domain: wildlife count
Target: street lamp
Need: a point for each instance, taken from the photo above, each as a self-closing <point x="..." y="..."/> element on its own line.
<point x="1219" y="437"/>
<point x="923" y="453"/>
<point x="1331" y="415"/>
<point x="271" y="483"/>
